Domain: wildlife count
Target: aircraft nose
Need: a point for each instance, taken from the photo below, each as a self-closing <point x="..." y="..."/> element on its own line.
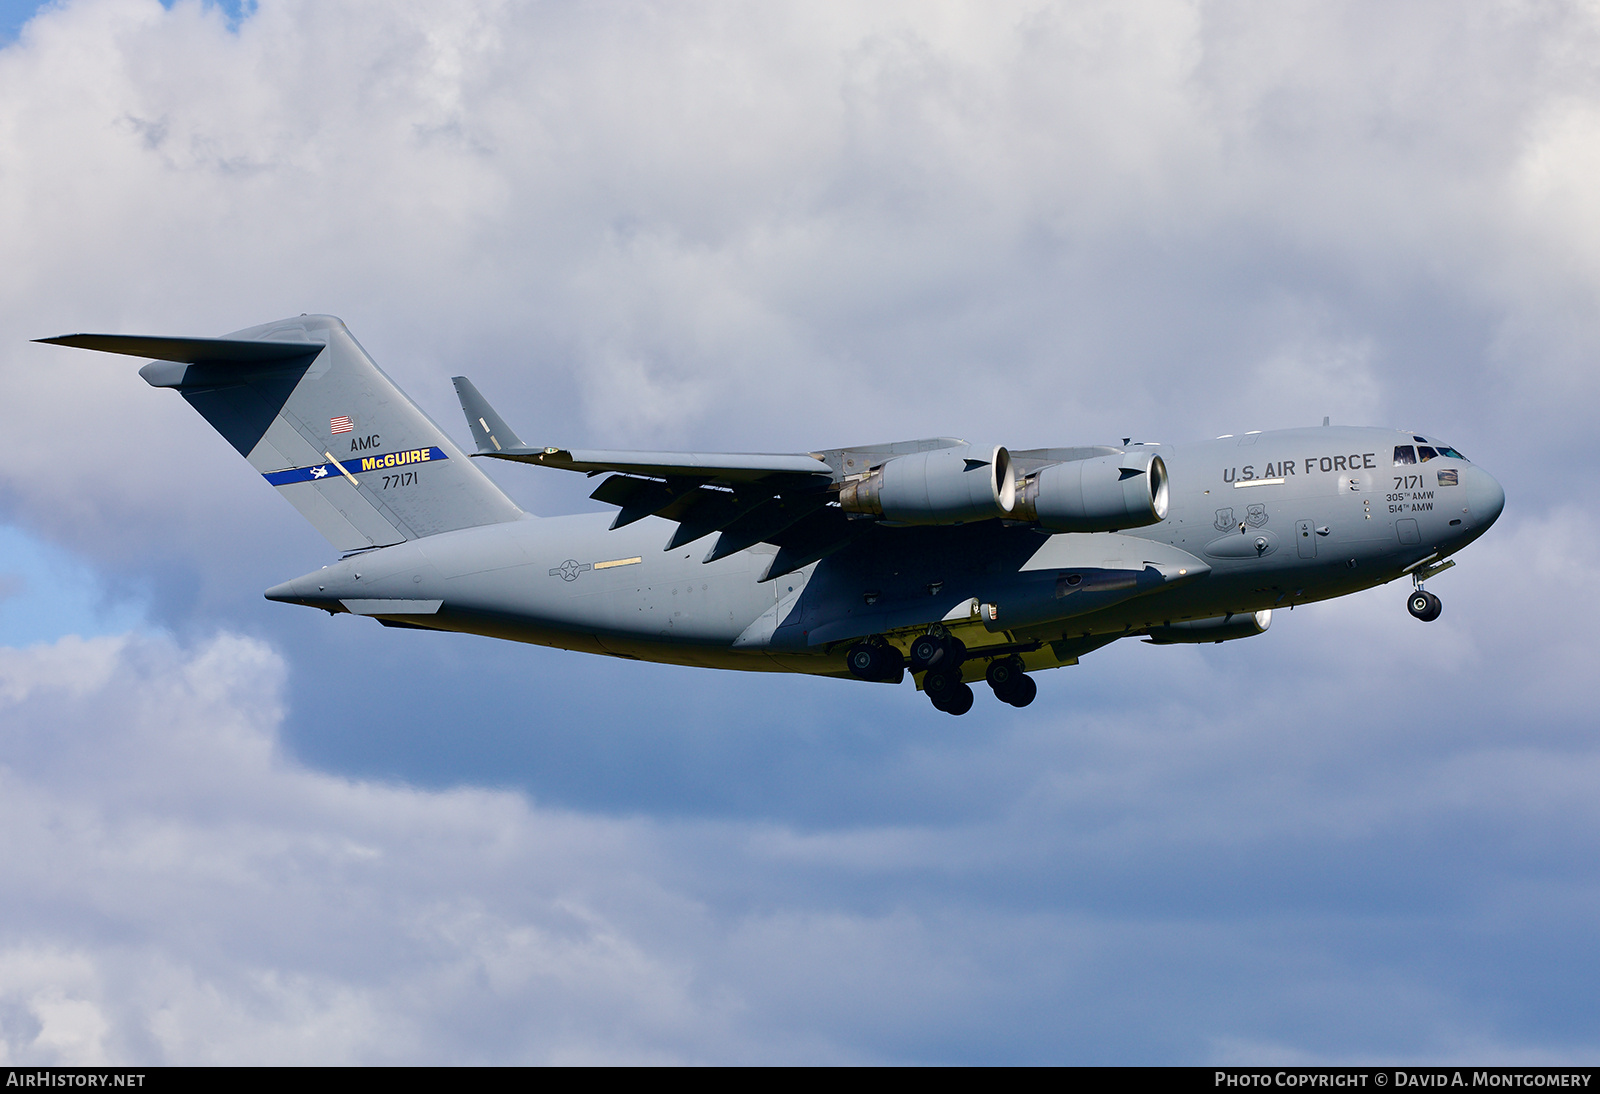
<point x="1484" y="495"/>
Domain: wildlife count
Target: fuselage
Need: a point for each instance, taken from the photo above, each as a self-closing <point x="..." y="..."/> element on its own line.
<point x="1254" y="522"/>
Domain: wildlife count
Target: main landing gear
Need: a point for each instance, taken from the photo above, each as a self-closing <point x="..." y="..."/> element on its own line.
<point x="949" y="694"/>
<point x="876" y="660"/>
<point x="947" y="691"/>
<point x="1010" y="683"/>
<point x="939" y="655"/>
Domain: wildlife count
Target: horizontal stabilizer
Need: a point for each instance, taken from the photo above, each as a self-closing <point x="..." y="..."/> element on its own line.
<point x="189" y="351"/>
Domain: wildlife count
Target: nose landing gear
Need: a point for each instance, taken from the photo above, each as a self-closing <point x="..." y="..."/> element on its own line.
<point x="1424" y="605"/>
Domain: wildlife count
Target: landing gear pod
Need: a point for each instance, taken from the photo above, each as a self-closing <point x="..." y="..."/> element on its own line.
<point x="945" y="486"/>
<point x="1221" y="628"/>
<point x="1099" y="495"/>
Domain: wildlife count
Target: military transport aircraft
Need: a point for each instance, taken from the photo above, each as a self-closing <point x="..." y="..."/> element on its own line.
<point x="936" y="557"/>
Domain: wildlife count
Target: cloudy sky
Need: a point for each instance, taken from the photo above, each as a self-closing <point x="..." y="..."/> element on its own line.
<point x="237" y="831"/>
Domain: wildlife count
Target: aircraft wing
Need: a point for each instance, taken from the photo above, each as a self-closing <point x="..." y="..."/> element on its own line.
<point x="727" y="467"/>
<point x="786" y="499"/>
<point x="494" y="438"/>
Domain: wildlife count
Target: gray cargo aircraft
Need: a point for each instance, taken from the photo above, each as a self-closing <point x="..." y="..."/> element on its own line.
<point x="953" y="562"/>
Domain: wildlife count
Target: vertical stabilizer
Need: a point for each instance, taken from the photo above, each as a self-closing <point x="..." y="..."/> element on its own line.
<point x="301" y="400"/>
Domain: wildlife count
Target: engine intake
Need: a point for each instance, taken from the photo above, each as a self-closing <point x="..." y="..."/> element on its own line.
<point x="1104" y="494"/>
<point x="944" y="486"/>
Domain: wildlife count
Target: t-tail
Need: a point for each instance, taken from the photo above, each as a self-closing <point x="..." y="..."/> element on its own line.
<point x="304" y="403"/>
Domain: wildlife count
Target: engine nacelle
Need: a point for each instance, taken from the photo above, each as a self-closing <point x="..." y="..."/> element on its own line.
<point x="1221" y="628"/>
<point x="1104" y="494"/>
<point x="944" y="486"/>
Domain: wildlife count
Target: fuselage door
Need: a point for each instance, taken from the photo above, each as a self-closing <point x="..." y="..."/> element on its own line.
<point x="1305" y="538"/>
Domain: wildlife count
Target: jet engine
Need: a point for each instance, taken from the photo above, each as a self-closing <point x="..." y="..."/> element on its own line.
<point x="944" y="486"/>
<point x="1221" y="628"/>
<point x="1104" y="494"/>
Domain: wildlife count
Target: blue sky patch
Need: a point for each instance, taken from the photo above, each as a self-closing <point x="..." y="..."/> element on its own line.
<point x="14" y="14"/>
<point x="45" y="593"/>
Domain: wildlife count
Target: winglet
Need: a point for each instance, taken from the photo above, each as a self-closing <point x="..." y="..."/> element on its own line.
<point x="489" y="431"/>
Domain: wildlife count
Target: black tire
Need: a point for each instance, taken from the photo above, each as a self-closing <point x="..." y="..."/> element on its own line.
<point x="1022" y="692"/>
<point x="866" y="661"/>
<point x="894" y="663"/>
<point x="939" y="683"/>
<point x="926" y="652"/>
<point x="958" y="700"/>
<point x="1424" y="606"/>
<point x="1003" y="674"/>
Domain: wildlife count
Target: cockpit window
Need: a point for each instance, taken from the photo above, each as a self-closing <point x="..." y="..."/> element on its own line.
<point x="1419" y="440"/>
<point x="1446" y="450"/>
<point x="1404" y="453"/>
<point x="1426" y="453"/>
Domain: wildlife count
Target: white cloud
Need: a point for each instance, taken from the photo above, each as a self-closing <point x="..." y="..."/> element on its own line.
<point x="181" y="892"/>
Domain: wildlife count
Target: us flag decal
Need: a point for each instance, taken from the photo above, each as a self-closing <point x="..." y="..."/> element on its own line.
<point x="342" y="424"/>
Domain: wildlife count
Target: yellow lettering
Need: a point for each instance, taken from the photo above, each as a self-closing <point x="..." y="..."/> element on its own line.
<point x="427" y="453"/>
<point x="368" y="463"/>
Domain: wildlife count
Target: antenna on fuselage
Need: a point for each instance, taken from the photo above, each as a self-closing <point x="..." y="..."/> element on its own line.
<point x="1324" y="419"/>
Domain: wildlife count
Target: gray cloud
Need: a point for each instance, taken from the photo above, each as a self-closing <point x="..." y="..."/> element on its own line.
<point x="784" y="227"/>
<point x="1191" y="879"/>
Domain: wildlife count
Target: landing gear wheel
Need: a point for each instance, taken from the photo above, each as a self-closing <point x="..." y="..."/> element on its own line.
<point x="937" y="651"/>
<point x="1003" y="674"/>
<point x="876" y="660"/>
<point x="1424" y="605"/>
<point x="936" y="682"/>
<point x="1022" y="693"/>
<point x="866" y="661"/>
<point x="946" y="691"/>
<point x="956" y="700"/>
